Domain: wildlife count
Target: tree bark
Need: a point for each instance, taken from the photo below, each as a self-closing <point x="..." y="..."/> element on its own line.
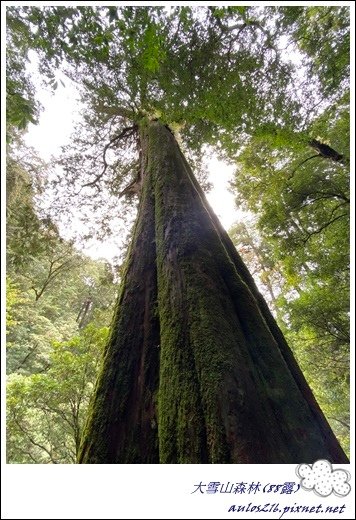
<point x="196" y="369"/>
<point x="326" y="151"/>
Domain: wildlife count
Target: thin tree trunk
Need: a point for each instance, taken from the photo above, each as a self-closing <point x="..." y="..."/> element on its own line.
<point x="196" y="369"/>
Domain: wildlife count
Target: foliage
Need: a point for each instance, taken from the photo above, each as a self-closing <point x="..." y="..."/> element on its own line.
<point x="58" y="303"/>
<point x="156" y="62"/>
<point x="302" y="209"/>
<point x="12" y="298"/>
<point x="46" y="410"/>
<point x="21" y="105"/>
<point x="86" y="293"/>
<point x="217" y="75"/>
<point x="322" y="33"/>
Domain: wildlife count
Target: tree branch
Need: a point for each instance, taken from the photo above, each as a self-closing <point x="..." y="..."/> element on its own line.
<point x="52" y="273"/>
<point x="126" y="132"/>
<point x="316" y="232"/>
<point x="326" y="151"/>
<point x="331" y="195"/>
<point x="347" y="426"/>
<point x="299" y="165"/>
<point x="32" y="441"/>
<point x="32" y="350"/>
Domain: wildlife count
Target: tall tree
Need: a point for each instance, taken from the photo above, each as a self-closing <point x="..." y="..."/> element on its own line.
<point x="195" y="367"/>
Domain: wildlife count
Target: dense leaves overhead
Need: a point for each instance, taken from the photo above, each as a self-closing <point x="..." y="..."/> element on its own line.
<point x="194" y="65"/>
<point x="323" y="34"/>
<point x="216" y="75"/>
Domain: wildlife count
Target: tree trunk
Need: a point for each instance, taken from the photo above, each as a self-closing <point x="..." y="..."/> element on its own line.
<point x="326" y="151"/>
<point x="196" y="369"/>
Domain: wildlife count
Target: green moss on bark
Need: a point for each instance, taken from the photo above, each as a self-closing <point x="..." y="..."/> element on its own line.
<point x="322" y="437"/>
<point x="196" y="370"/>
<point x="122" y="420"/>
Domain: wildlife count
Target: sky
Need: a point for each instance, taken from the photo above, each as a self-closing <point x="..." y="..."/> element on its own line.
<point x="56" y="123"/>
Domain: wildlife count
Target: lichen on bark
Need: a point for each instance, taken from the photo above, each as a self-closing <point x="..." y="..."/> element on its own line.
<point x="196" y="370"/>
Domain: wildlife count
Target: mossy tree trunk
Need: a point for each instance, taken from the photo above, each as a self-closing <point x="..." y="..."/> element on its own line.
<point x="196" y="369"/>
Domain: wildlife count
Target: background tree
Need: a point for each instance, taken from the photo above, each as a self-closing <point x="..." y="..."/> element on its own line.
<point x="259" y="257"/>
<point x="46" y="410"/>
<point x="49" y="278"/>
<point x="306" y="229"/>
<point x="53" y="346"/>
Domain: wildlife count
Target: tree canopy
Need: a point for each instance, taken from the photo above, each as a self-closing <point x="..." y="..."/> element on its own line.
<point x="219" y="76"/>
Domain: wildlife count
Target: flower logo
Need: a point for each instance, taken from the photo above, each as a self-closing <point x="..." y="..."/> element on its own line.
<point x="323" y="480"/>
